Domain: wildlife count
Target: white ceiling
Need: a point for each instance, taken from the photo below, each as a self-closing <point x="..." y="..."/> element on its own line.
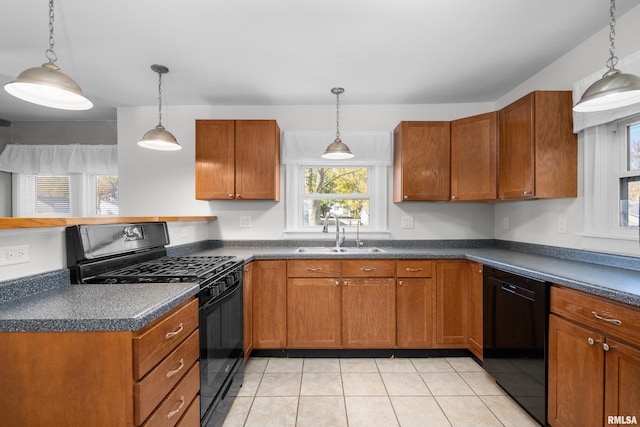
<point x="291" y="52"/>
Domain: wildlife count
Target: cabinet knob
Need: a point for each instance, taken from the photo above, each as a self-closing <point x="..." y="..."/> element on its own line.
<point x="453" y="197"/>
<point x="400" y="283"/>
<point x="346" y="283"/>
<point x="238" y="196"/>
<point x="337" y="282"/>
<point x="526" y="193"/>
<point x="406" y="197"/>
<point x="606" y="347"/>
<point x="591" y="341"/>
<point x="230" y="196"/>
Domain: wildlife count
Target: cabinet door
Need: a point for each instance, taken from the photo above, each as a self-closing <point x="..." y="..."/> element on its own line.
<point x="475" y="309"/>
<point x="575" y="375"/>
<point x="451" y="304"/>
<point x="473" y="157"/>
<point x="421" y="162"/>
<point x="247" y="301"/>
<point x="215" y="168"/>
<point x="622" y="381"/>
<point x="414" y="297"/>
<point x="269" y="304"/>
<point x="368" y="313"/>
<point x="257" y="159"/>
<point x="313" y="313"/>
<point x="516" y="150"/>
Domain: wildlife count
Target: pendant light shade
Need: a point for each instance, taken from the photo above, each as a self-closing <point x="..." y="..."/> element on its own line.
<point x="159" y="138"/>
<point x="615" y="89"/>
<point x="47" y="85"/>
<point x="337" y="150"/>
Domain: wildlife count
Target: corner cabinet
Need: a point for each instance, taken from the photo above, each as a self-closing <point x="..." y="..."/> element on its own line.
<point x="421" y="156"/>
<point x="473" y="157"/>
<point x="120" y="378"/>
<point x="537" y="148"/>
<point x="593" y="360"/>
<point x="237" y="159"/>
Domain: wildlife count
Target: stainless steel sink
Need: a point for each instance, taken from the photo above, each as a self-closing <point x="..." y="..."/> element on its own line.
<point x="334" y="250"/>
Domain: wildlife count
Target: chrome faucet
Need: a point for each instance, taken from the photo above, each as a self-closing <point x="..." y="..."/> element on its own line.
<point x="339" y="239"/>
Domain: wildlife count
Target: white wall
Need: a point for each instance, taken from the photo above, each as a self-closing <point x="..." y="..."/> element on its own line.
<point x="163" y="183"/>
<point x="536" y="221"/>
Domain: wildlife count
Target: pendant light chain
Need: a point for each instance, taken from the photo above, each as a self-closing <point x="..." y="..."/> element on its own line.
<point x="338" y="115"/>
<point x="159" y="99"/>
<point x="613" y="59"/>
<point x="51" y="55"/>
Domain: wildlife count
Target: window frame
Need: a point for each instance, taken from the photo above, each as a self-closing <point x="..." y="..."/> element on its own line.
<point x="82" y="196"/>
<point x="377" y="193"/>
<point x="605" y="160"/>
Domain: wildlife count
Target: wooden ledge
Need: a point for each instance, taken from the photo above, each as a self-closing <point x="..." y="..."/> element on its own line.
<point x="6" y="223"/>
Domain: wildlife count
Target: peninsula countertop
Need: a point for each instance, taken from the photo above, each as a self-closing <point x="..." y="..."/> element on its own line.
<point x="105" y="307"/>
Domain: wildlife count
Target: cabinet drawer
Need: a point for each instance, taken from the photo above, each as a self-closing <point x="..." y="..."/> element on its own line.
<point x="313" y="268"/>
<point x="610" y="317"/>
<point x="368" y="268"/>
<point x="414" y="268"/>
<point x="155" y="341"/>
<point x="158" y="383"/>
<point x="178" y="401"/>
<point x="191" y="418"/>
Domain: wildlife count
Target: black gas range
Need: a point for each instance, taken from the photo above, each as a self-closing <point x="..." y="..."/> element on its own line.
<point x="136" y="253"/>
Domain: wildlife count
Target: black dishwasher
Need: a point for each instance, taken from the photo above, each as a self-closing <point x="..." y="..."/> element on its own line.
<point x="515" y="317"/>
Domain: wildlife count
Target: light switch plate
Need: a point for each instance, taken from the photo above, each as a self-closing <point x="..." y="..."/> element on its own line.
<point x="407" y="222"/>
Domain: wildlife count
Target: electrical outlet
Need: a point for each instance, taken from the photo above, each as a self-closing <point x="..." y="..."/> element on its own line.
<point x="407" y="222"/>
<point x="245" y="222"/>
<point x="562" y="224"/>
<point x="14" y="254"/>
<point x="505" y="222"/>
<point x="184" y="232"/>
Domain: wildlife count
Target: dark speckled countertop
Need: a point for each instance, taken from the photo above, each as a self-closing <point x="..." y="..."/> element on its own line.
<point x="48" y="303"/>
<point x="114" y="307"/>
<point x="619" y="284"/>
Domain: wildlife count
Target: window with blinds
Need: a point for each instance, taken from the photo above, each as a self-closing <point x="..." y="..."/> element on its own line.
<point x="46" y="195"/>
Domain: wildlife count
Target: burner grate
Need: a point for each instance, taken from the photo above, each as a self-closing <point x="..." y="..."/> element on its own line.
<point x="178" y="267"/>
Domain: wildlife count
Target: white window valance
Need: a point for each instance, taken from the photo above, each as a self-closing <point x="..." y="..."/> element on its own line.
<point x="630" y="65"/>
<point x="60" y="159"/>
<point x="369" y="148"/>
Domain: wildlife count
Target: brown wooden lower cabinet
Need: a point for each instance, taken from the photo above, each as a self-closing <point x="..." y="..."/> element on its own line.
<point x="594" y="364"/>
<point x="368" y="313"/>
<point x="452" y="303"/>
<point x="269" y="283"/>
<point x="247" y="312"/>
<point x="313" y="313"/>
<point x="102" y="378"/>
<point x="475" y="317"/>
<point x="414" y="317"/>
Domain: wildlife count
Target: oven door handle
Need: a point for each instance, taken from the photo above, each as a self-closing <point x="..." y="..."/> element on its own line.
<point x="223" y="299"/>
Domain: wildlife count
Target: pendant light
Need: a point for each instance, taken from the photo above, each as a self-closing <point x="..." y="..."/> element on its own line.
<point x="615" y="89"/>
<point x="159" y="138"/>
<point x="47" y="85"/>
<point x="337" y="150"/>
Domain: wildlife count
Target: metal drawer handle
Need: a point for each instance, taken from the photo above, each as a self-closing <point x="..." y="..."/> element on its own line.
<point x="314" y="269"/>
<point x="173" y="334"/>
<point x="172" y="373"/>
<point x="175" y="411"/>
<point x="368" y="269"/>
<point x="612" y="321"/>
<point x="413" y="270"/>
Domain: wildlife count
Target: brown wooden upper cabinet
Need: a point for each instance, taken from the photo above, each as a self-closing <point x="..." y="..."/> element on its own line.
<point x="237" y="159"/>
<point x="473" y="157"/>
<point x="421" y="156"/>
<point x="537" y="147"/>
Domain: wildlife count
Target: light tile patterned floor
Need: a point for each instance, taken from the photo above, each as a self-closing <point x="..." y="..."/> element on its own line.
<point x="306" y="392"/>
